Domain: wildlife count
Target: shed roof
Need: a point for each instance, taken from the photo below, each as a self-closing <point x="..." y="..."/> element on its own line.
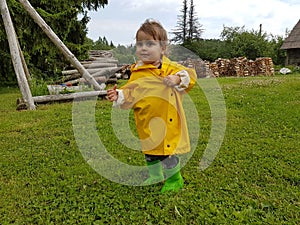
<point x="293" y="40"/>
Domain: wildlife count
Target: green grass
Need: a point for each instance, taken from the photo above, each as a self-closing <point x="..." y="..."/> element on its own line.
<point x="255" y="178"/>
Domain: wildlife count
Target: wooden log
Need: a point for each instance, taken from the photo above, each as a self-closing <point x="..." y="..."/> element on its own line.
<point x="93" y="71"/>
<point x="16" y="57"/>
<point x="99" y="60"/>
<point x="100" y="79"/>
<point x="101" y="53"/>
<point x="69" y="72"/>
<point x="95" y="64"/>
<point x="26" y="70"/>
<point x="59" y="44"/>
<point x="68" y="97"/>
<point x="106" y="72"/>
<point x="99" y="65"/>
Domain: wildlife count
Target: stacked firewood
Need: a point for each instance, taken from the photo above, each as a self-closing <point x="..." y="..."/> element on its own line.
<point x="265" y="66"/>
<point x="242" y="67"/>
<point x="101" y="65"/>
<point x="238" y="67"/>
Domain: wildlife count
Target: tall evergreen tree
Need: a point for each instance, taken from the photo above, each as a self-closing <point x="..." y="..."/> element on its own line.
<point x="194" y="27"/>
<point x="188" y="27"/>
<point x="181" y="29"/>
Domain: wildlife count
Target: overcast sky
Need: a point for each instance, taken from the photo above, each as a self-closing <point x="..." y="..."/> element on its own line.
<point x="119" y="20"/>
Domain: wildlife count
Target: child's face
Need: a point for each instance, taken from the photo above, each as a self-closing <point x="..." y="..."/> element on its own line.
<point x="147" y="49"/>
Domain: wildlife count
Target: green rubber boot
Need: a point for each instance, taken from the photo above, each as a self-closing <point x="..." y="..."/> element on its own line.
<point x="155" y="172"/>
<point x="174" y="181"/>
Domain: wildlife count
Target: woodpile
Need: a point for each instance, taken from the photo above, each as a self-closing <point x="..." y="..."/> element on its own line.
<point x="101" y="65"/>
<point x="238" y="67"/>
<point x="242" y="67"/>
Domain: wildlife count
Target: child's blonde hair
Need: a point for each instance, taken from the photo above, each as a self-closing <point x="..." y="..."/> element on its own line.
<point x="156" y="30"/>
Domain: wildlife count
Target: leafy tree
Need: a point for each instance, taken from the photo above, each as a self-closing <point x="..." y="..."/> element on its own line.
<point x="236" y="42"/>
<point x="251" y="44"/>
<point x="43" y="58"/>
<point x="278" y="55"/>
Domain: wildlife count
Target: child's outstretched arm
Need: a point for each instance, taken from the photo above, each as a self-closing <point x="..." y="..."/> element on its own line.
<point x="112" y="94"/>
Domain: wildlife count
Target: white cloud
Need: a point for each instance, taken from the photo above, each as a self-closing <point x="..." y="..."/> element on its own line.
<point x="119" y="20"/>
<point x="274" y="15"/>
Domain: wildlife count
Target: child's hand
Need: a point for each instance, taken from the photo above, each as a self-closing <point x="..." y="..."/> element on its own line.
<point x="112" y="94"/>
<point x="172" y="80"/>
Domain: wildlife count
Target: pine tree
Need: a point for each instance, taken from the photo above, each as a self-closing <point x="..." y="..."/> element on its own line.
<point x="194" y="27"/>
<point x="188" y="27"/>
<point x="181" y="30"/>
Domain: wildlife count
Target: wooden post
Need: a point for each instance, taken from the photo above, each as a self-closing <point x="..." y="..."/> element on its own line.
<point x="59" y="44"/>
<point x="15" y="55"/>
<point x="26" y="70"/>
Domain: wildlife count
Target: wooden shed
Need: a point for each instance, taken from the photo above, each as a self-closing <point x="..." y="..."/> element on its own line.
<point x="292" y="45"/>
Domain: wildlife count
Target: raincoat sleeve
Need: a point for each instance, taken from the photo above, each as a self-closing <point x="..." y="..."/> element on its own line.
<point x="185" y="80"/>
<point x="193" y="77"/>
<point x="120" y="100"/>
<point x="188" y="79"/>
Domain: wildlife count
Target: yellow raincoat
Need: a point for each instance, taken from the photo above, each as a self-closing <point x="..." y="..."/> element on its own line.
<point x="159" y="115"/>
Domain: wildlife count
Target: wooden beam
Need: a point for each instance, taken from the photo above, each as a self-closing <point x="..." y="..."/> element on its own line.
<point x="59" y="44"/>
<point x="66" y="97"/>
<point x="16" y="57"/>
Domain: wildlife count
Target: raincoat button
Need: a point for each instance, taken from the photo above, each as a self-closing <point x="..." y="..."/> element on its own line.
<point x="171" y="119"/>
<point x="168" y="146"/>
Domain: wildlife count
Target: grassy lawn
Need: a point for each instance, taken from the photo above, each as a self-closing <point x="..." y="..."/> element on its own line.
<point x="255" y="178"/>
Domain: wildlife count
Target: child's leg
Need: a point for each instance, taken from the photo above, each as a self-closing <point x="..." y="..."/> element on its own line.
<point x="174" y="180"/>
<point x="155" y="169"/>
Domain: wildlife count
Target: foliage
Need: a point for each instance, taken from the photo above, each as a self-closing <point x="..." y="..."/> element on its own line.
<point x="254" y="179"/>
<point x="38" y="87"/>
<point x="43" y="58"/>
<point x="102" y="44"/>
<point x="125" y="55"/>
<point x="243" y="43"/>
<point x="236" y="42"/>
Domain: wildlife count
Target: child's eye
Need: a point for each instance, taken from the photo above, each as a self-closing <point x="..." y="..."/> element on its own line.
<point x="139" y="44"/>
<point x="150" y="43"/>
